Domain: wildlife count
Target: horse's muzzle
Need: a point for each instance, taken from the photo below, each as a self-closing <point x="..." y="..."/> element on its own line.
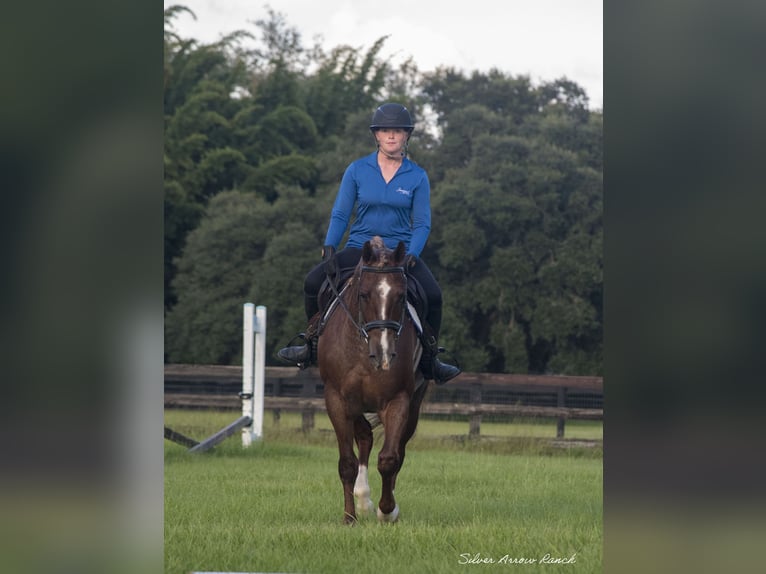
<point x="383" y="348"/>
<point x="382" y="363"/>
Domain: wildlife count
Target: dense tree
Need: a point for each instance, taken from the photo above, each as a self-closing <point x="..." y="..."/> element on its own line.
<point x="244" y="249"/>
<point x="200" y="149"/>
<point x="256" y="141"/>
<point x="517" y="225"/>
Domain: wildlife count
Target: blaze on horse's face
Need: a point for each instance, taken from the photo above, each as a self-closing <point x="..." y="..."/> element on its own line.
<point x="382" y="299"/>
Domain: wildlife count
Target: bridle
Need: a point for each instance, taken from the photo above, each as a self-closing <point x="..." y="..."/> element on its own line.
<point x="380" y="323"/>
<point x="359" y="323"/>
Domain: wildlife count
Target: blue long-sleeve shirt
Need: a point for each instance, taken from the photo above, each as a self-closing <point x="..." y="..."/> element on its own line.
<point x="399" y="210"/>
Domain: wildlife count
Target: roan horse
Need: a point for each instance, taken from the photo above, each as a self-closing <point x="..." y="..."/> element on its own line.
<point x="368" y="354"/>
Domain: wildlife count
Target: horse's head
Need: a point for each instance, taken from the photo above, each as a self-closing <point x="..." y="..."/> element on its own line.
<point x="382" y="299"/>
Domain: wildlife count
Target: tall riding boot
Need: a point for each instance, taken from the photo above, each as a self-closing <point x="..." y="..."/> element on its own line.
<point x="430" y="365"/>
<point x="304" y="355"/>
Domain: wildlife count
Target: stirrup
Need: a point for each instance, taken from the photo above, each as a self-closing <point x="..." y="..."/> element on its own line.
<point x="285" y="353"/>
<point x="299" y="337"/>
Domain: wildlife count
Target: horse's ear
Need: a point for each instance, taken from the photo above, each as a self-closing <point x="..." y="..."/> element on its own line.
<point x="401" y="251"/>
<point x="367" y="252"/>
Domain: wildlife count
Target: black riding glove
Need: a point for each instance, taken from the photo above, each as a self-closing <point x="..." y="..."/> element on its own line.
<point x="410" y="261"/>
<point x="328" y="257"/>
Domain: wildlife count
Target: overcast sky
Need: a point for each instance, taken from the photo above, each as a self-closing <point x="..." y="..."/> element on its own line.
<point x="544" y="39"/>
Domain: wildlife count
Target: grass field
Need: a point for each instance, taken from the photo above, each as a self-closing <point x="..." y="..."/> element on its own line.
<point x="466" y="505"/>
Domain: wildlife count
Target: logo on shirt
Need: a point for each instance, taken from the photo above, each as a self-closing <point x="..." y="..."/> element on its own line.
<point x="407" y="192"/>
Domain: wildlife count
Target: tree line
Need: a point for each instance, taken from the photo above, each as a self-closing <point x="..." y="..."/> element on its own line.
<point x="258" y="131"/>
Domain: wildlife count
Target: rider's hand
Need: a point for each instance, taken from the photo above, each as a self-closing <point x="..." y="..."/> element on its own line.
<point x="328" y="257"/>
<point x="410" y="261"/>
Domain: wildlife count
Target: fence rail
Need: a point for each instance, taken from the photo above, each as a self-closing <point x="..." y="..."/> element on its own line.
<point x="472" y="394"/>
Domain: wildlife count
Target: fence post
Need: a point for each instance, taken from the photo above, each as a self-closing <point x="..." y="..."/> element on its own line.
<point x="307" y="415"/>
<point x="253" y="370"/>
<point x="474" y="424"/>
<point x="561" y="402"/>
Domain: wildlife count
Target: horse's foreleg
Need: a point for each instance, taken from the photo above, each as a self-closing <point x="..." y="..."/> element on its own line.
<point x="363" y="436"/>
<point x="390" y="458"/>
<point x="348" y="464"/>
<point x="347" y="469"/>
<point x="412" y="424"/>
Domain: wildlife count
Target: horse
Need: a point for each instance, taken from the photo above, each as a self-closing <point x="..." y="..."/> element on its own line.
<point x="368" y="353"/>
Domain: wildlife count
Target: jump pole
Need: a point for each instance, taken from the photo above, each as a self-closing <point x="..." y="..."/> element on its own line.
<point x="253" y="371"/>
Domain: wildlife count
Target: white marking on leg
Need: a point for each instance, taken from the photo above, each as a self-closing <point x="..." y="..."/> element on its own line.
<point x="392" y="517"/>
<point x="364" y="503"/>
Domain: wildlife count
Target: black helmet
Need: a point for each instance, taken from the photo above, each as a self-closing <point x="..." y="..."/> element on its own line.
<point x="392" y="116"/>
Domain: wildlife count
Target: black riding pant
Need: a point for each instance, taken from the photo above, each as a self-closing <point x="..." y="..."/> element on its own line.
<point x="348" y="258"/>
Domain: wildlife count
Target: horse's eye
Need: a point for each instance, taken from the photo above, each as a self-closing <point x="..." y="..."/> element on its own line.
<point x="364" y="295"/>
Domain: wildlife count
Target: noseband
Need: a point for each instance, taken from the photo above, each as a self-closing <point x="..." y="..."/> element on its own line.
<point x="380" y="323"/>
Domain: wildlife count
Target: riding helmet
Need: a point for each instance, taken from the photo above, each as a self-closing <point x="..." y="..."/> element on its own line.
<point x="392" y="116"/>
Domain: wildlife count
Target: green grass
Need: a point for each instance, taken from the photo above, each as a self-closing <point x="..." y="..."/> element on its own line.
<point x="277" y="506"/>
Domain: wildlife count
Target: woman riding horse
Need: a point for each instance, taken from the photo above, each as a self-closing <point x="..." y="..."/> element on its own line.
<point x="392" y="198"/>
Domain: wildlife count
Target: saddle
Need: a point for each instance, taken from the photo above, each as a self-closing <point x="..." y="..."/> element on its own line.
<point x="333" y="285"/>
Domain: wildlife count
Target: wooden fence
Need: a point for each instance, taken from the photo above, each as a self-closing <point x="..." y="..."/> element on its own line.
<point x="474" y="395"/>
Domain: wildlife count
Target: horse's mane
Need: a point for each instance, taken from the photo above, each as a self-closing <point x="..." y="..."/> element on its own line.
<point x="377" y="243"/>
<point x="375" y="253"/>
<point x="378" y="254"/>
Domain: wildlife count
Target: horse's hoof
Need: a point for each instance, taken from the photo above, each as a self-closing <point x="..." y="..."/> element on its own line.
<point x="349" y="520"/>
<point x="392" y="517"/>
<point x="364" y="507"/>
